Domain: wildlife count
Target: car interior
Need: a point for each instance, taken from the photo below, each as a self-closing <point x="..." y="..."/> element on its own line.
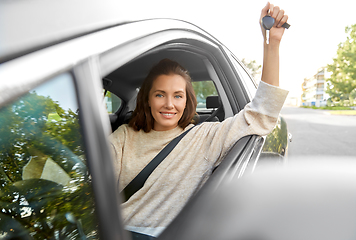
<point x="213" y="106"/>
<point x="125" y="82"/>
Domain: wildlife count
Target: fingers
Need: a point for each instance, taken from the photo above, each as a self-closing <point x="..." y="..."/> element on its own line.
<point x="270" y="10"/>
<point x="283" y="20"/>
<point x="275" y="12"/>
<point x="265" y="10"/>
<point x="280" y="17"/>
<point x="278" y="14"/>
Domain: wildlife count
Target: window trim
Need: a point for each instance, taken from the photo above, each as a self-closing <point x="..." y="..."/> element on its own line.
<point x="239" y="68"/>
<point x="96" y="128"/>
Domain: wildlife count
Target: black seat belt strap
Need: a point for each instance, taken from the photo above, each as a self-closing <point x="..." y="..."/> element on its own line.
<point x="138" y="182"/>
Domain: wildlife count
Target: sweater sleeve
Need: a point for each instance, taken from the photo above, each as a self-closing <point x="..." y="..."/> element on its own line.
<point x="258" y="117"/>
<point x="117" y="140"/>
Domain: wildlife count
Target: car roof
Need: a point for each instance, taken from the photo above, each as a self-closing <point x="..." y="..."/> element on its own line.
<point x="26" y="26"/>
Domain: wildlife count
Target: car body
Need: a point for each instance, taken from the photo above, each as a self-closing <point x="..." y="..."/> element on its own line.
<point x="57" y="178"/>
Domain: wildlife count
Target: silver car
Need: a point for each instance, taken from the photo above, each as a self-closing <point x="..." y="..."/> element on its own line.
<point x="68" y="78"/>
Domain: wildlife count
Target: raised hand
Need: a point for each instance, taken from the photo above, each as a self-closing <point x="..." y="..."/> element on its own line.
<point x="280" y="18"/>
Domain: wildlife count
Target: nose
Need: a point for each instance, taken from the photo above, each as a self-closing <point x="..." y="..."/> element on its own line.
<point x="169" y="103"/>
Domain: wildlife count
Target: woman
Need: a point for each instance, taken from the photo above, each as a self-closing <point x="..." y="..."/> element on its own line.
<point x="165" y="108"/>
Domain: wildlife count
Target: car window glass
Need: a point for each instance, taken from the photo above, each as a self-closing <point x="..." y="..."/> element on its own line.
<point x="112" y="102"/>
<point x="45" y="189"/>
<point x="246" y="79"/>
<point x="202" y="90"/>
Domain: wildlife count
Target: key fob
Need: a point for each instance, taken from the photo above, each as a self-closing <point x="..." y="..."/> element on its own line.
<point x="267" y="22"/>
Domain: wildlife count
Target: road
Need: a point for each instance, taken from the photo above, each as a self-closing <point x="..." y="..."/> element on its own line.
<point x="315" y="132"/>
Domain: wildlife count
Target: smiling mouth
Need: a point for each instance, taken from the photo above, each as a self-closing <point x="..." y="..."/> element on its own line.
<point x="168" y="114"/>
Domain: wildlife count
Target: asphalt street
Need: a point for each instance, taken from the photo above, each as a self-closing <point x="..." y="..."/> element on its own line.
<point x="316" y="132"/>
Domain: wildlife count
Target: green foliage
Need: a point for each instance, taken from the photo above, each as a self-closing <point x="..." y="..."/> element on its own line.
<point x="36" y="127"/>
<point x="352" y="97"/>
<point x="353" y="94"/>
<point x="204" y="89"/>
<point x="113" y="102"/>
<point x="252" y="66"/>
<point x="343" y="68"/>
<point x="277" y="140"/>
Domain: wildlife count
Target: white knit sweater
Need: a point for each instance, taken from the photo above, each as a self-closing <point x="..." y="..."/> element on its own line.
<point x="190" y="163"/>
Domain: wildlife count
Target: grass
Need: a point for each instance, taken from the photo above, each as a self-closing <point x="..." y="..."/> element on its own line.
<point x="327" y="108"/>
<point x="335" y="110"/>
<point x="343" y="112"/>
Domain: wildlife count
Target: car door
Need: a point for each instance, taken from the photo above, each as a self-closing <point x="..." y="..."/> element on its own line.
<point x="275" y="146"/>
<point x="189" y="48"/>
<point x="56" y="179"/>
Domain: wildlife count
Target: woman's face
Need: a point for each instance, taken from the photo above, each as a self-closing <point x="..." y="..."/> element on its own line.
<point x="167" y="100"/>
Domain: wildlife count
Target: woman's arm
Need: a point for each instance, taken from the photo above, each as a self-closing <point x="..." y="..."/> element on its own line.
<point x="270" y="70"/>
<point x="261" y="114"/>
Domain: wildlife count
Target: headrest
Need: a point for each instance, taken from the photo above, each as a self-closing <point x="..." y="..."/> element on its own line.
<point x="212" y="102"/>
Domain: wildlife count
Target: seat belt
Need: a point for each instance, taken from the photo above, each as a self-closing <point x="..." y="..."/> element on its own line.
<point x="138" y="182"/>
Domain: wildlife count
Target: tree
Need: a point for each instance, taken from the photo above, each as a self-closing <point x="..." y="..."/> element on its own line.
<point x="352" y="97"/>
<point x="276" y="142"/>
<point x="31" y="129"/>
<point x="343" y="68"/>
<point x="252" y="66"/>
<point x="204" y="89"/>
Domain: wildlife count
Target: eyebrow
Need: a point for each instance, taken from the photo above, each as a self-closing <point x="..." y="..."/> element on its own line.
<point x="165" y="92"/>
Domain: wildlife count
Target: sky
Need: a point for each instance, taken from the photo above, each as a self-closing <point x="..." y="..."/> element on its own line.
<point x="60" y="89"/>
<point x="317" y="28"/>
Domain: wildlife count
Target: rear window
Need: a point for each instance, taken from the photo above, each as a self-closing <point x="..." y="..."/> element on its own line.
<point x="202" y="90"/>
<point x="112" y="102"/>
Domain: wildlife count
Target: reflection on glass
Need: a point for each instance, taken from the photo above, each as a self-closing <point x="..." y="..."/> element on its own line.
<point x="45" y="190"/>
<point x="277" y="141"/>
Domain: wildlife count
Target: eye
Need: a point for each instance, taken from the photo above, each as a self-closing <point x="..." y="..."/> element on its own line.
<point x="178" y="96"/>
<point x="159" y="95"/>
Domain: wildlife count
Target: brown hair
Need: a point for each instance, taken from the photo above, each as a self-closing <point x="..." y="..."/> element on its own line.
<point x="142" y="117"/>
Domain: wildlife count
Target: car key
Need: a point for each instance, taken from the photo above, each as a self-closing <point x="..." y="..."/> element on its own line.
<point x="268" y="22"/>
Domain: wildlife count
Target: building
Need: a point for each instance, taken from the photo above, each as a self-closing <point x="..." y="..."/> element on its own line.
<point x="314" y="89"/>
